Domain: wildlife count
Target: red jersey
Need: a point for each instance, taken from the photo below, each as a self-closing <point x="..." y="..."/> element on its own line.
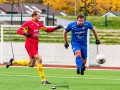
<point x="32" y="28"/>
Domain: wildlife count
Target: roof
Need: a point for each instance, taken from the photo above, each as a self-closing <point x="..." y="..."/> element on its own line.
<point x="115" y="13"/>
<point x="27" y="8"/>
<point x="112" y="13"/>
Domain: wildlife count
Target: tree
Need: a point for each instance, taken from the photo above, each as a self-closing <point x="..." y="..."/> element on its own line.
<point x="93" y="7"/>
<point x="2" y="1"/>
<point x="115" y="5"/>
<point x="33" y="1"/>
<point x="66" y="6"/>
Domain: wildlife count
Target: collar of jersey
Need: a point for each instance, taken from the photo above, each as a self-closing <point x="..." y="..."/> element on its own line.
<point x="33" y="21"/>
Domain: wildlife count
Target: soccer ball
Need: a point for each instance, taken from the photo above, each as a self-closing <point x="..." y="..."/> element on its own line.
<point x="101" y="59"/>
<point x="53" y="86"/>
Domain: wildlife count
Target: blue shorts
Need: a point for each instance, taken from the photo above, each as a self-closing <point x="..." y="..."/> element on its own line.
<point x="80" y="46"/>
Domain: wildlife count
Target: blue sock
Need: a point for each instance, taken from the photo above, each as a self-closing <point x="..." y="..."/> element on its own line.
<point x="79" y="62"/>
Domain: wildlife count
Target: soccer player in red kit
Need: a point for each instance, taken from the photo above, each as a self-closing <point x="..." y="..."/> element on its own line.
<point x="33" y="27"/>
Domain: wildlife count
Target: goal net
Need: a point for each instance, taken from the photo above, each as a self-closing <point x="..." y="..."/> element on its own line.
<point x="51" y="47"/>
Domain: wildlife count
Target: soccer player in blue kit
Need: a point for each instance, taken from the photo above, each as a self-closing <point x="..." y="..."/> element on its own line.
<point x="79" y="30"/>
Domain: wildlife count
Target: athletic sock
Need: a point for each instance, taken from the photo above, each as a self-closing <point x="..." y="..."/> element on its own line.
<point x="41" y="72"/>
<point x="21" y="62"/>
<point x="79" y="62"/>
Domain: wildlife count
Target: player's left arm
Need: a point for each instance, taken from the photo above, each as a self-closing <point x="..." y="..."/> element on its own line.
<point x="51" y="29"/>
<point x="96" y="36"/>
<point x="94" y="32"/>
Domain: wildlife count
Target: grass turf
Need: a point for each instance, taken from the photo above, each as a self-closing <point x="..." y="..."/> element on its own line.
<point x="21" y="78"/>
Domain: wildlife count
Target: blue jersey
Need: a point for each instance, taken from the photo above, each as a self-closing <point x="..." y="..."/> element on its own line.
<point x="79" y="33"/>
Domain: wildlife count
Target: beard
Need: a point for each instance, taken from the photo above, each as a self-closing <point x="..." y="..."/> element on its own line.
<point x="80" y="24"/>
<point x="36" y="20"/>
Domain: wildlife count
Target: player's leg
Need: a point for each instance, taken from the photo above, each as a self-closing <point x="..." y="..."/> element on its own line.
<point x="76" y="49"/>
<point x="19" y="62"/>
<point x="83" y="66"/>
<point x="40" y="68"/>
<point x="84" y="57"/>
<point x="31" y="62"/>
<point x="32" y="50"/>
<point x="9" y="63"/>
<point x="78" y="61"/>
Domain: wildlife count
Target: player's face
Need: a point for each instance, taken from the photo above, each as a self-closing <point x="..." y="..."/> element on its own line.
<point x="80" y="21"/>
<point x="37" y="17"/>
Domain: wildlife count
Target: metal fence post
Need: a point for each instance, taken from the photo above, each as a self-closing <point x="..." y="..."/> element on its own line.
<point x="106" y="21"/>
<point x="21" y="19"/>
<point x="12" y="12"/>
<point x="53" y="19"/>
<point x="47" y="14"/>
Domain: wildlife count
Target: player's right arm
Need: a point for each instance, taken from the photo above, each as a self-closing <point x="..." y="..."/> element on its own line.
<point x="23" y="30"/>
<point x="65" y="36"/>
<point x="65" y="39"/>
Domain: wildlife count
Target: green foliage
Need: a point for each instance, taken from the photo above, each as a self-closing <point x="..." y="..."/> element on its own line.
<point x="107" y="35"/>
<point x="113" y="23"/>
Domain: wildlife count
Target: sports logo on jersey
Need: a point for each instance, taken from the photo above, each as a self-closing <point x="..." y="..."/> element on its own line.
<point x="37" y="24"/>
<point x="83" y="28"/>
<point x="80" y="34"/>
<point x="79" y="37"/>
<point x="36" y="32"/>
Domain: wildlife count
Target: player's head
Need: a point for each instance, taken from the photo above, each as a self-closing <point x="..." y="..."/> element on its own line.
<point x="36" y="15"/>
<point x="80" y="19"/>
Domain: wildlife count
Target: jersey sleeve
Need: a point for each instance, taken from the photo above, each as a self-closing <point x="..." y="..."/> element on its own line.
<point x="23" y="28"/>
<point x="68" y="28"/>
<point x="47" y="29"/>
<point x="90" y="26"/>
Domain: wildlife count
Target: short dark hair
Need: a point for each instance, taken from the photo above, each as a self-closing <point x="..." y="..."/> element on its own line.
<point x="80" y="16"/>
<point x="34" y="13"/>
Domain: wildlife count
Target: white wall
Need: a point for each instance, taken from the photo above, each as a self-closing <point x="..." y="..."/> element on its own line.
<point x="54" y="53"/>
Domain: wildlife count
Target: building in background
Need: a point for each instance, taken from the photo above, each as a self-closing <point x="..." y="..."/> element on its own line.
<point x="112" y="13"/>
<point x="25" y="9"/>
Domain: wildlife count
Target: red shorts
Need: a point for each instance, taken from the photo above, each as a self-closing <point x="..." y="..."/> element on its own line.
<point x="32" y="49"/>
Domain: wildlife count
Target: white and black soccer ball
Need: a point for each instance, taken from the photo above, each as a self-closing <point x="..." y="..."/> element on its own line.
<point x="53" y="86"/>
<point x="101" y="59"/>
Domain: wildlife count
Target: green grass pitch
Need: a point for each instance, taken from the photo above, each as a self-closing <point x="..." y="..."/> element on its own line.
<point x="21" y="78"/>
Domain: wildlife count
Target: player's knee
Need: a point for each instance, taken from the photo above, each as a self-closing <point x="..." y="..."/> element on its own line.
<point x="38" y="59"/>
<point x="83" y="61"/>
<point x="77" y="53"/>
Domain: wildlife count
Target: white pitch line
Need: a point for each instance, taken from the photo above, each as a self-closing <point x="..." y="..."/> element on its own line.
<point x="92" y="69"/>
<point x="90" y="78"/>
